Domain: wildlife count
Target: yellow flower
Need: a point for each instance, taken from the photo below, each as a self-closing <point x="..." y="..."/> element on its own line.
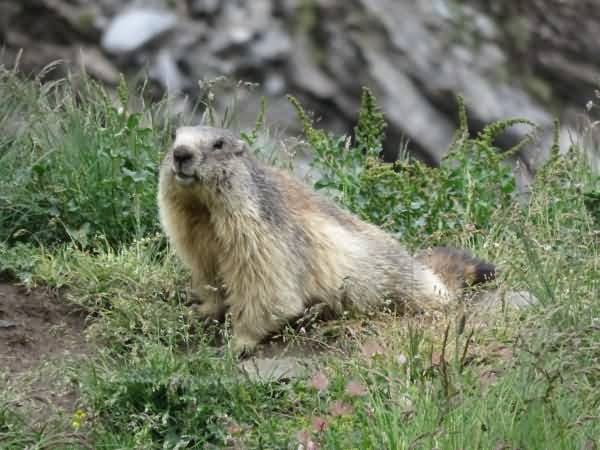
<point x="78" y="419"/>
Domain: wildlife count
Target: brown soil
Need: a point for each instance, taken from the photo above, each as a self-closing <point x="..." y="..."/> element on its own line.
<point x="38" y="333"/>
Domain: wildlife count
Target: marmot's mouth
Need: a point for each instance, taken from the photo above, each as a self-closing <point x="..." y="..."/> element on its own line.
<point x="185" y="179"/>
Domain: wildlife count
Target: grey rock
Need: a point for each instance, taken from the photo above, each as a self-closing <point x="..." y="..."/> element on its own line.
<point x="417" y="32"/>
<point x="344" y="60"/>
<point x="166" y="72"/>
<point x="9" y="12"/>
<point x="274" y="84"/>
<point x="489" y="99"/>
<point x="204" y="65"/>
<point x="486" y="26"/>
<point x="242" y="22"/>
<point x="205" y="7"/>
<point x="239" y="35"/>
<point x="306" y="75"/>
<point x="407" y="27"/>
<point x="490" y="57"/>
<point x="274" y="369"/>
<point x="273" y="44"/>
<point x="521" y="299"/>
<point x="482" y="24"/>
<point x="7" y="324"/>
<point x="498" y="300"/>
<point x="408" y="109"/>
<point x="134" y="28"/>
<point x="571" y="70"/>
<point x="414" y="55"/>
<point x="97" y="65"/>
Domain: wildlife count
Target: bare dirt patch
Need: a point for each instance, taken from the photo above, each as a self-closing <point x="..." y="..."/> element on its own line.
<point x="39" y="332"/>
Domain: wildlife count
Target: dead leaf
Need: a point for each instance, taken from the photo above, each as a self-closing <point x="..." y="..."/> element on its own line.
<point x="436" y="359"/>
<point x="504" y="353"/>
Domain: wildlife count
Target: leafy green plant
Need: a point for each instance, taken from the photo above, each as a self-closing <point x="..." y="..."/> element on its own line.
<point x="162" y="399"/>
<point x="340" y="163"/>
<point x="18" y="262"/>
<point x="410" y="199"/>
<point x="592" y="203"/>
<point x="82" y="164"/>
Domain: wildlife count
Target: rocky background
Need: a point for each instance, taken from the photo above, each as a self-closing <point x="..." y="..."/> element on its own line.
<point x="536" y="59"/>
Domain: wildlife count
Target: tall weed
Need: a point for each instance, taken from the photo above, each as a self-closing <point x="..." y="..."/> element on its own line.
<point x="420" y="204"/>
<point x="76" y="163"/>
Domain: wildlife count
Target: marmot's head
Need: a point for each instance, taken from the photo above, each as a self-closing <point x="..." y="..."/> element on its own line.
<point x="203" y="159"/>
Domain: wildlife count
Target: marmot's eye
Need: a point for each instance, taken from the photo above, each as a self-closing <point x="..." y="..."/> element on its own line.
<point x="218" y="144"/>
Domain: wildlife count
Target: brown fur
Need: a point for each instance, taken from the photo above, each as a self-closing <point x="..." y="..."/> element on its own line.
<point x="263" y="246"/>
<point x="457" y="268"/>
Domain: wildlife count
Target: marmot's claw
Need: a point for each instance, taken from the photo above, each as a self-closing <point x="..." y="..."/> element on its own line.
<point x="243" y="348"/>
<point x="243" y="354"/>
<point x="207" y="312"/>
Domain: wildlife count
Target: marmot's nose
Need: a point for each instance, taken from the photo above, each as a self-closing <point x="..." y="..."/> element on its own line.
<point x="182" y="155"/>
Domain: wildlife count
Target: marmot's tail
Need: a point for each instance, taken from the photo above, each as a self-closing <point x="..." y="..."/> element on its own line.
<point x="457" y="268"/>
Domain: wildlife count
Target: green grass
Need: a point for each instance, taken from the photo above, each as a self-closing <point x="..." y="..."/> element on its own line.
<point x="76" y="163"/>
<point x="157" y="378"/>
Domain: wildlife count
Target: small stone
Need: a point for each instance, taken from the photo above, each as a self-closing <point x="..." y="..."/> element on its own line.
<point x="275" y="84"/>
<point x="240" y="35"/>
<point x="520" y="299"/>
<point x="491" y="300"/>
<point x="134" y="28"/>
<point x="7" y="324"/>
<point x="276" y="369"/>
<point x="166" y="72"/>
<point x="97" y="65"/>
<point x="205" y="7"/>
<point x="486" y="27"/>
<point x="272" y="45"/>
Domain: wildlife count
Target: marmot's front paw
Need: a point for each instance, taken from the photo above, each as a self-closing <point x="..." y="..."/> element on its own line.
<point x="209" y="310"/>
<point x="243" y="346"/>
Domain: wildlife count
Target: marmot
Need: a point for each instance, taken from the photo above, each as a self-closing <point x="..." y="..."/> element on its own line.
<point x="264" y="246"/>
